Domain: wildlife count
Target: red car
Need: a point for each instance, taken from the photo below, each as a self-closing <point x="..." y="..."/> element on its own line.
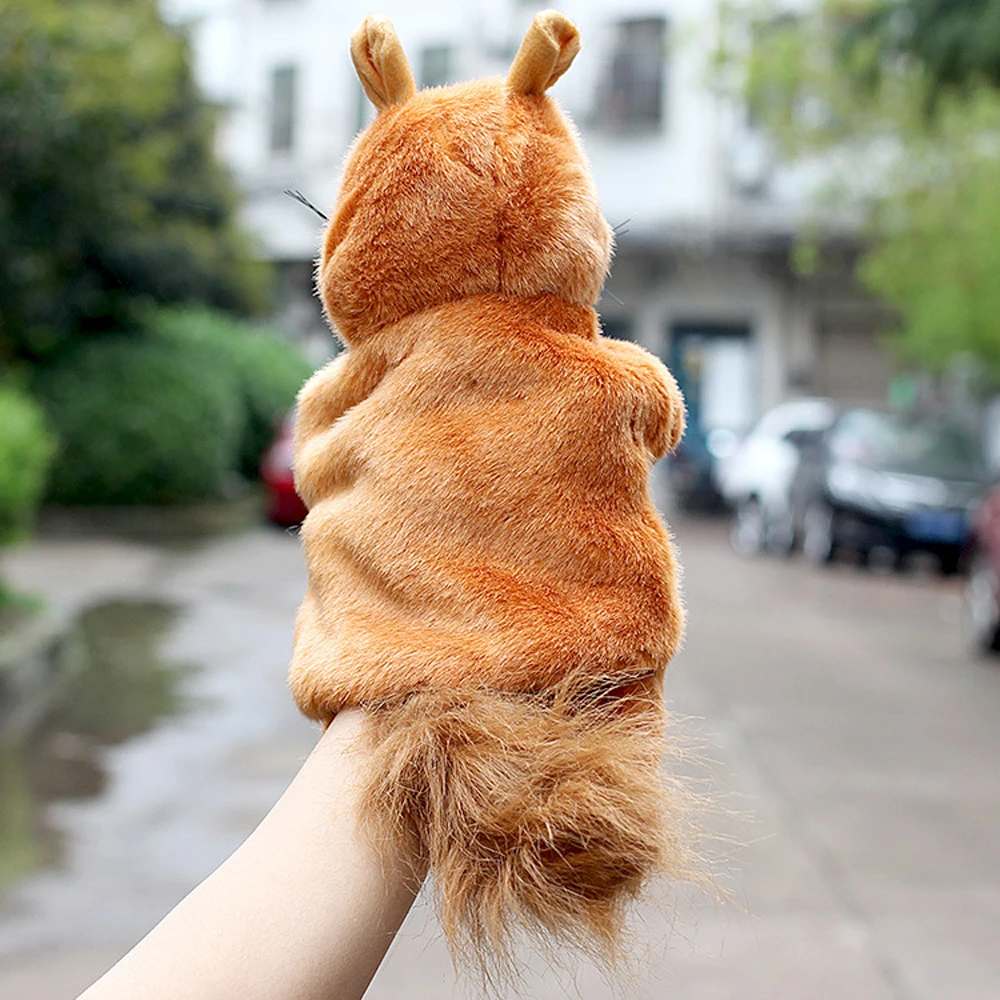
<point x="284" y="506"/>
<point x="982" y="589"/>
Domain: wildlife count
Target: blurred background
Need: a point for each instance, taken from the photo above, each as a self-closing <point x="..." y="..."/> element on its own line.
<point x="807" y="196"/>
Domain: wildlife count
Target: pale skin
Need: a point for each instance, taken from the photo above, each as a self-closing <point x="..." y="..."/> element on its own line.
<point x="305" y="909"/>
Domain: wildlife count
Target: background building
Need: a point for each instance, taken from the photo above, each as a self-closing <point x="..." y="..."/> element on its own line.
<point x="702" y="277"/>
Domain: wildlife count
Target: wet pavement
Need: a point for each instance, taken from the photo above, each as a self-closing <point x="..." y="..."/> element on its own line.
<point x="185" y="765"/>
<point x="114" y="686"/>
<point x="855" y="747"/>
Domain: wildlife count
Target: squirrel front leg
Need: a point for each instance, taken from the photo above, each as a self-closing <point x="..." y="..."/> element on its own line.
<point x="666" y="414"/>
<point x="660" y="413"/>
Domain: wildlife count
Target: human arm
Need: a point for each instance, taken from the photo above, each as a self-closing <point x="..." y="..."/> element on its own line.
<point x="305" y="908"/>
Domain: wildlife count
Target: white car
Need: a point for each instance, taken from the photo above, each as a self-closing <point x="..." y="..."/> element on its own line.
<point x="755" y="480"/>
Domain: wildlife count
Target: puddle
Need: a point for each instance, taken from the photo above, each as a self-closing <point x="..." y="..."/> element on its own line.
<point x="120" y="687"/>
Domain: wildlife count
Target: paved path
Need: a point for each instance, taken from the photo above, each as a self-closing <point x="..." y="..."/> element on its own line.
<point x="855" y="747"/>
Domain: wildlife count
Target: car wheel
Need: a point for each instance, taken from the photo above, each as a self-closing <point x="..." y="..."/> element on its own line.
<point x="781" y="536"/>
<point x="819" y="544"/>
<point x="882" y="559"/>
<point x="950" y="563"/>
<point x="748" y="531"/>
<point x="982" y="616"/>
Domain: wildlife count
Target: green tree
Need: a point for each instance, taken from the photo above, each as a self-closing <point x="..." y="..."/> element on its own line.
<point x="112" y="198"/>
<point x="909" y="144"/>
<point x="935" y="248"/>
<point x="957" y="42"/>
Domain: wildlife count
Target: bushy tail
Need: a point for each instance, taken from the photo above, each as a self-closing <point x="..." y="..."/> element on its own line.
<point x="537" y="814"/>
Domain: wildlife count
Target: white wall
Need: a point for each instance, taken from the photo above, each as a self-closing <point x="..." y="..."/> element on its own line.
<point x="676" y="183"/>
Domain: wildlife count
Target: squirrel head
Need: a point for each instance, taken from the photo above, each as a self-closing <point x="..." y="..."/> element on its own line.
<point x="464" y="190"/>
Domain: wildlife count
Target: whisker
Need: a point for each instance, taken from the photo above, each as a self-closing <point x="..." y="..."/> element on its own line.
<point x="615" y="297"/>
<point x="620" y="224"/>
<point x="303" y="200"/>
<point x="621" y="232"/>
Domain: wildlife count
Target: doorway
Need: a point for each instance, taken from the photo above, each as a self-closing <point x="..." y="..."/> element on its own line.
<point x="716" y="368"/>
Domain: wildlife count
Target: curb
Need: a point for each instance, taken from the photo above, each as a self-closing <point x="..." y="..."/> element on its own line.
<point x="37" y="656"/>
<point x="152" y="524"/>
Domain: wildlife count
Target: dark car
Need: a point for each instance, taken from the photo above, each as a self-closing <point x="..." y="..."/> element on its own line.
<point x="692" y="474"/>
<point x="982" y="589"/>
<point x="284" y="507"/>
<point x="888" y="482"/>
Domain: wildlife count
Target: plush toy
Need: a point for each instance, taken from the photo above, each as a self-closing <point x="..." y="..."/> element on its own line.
<point x="488" y="576"/>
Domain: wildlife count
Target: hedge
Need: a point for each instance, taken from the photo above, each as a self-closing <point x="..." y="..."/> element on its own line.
<point x="269" y="371"/>
<point x="167" y="414"/>
<point x="26" y="450"/>
<point x="140" y="420"/>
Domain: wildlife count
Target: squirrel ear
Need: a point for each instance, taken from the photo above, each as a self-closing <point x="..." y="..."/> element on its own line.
<point x="549" y="47"/>
<point x="381" y="63"/>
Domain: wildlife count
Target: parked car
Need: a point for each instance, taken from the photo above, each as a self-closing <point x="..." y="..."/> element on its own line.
<point x="982" y="589"/>
<point x="284" y="506"/>
<point x="756" y="479"/>
<point x="878" y="480"/>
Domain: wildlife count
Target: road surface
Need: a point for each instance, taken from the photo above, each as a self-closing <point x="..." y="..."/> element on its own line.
<point x="854" y="749"/>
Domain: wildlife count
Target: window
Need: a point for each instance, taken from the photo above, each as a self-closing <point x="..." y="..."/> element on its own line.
<point x="283" y="85"/>
<point x="631" y="95"/>
<point x="773" y="46"/>
<point x="435" y="65"/>
<point x="778" y="90"/>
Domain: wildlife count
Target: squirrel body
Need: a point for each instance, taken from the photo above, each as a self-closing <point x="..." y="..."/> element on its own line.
<point x="488" y="574"/>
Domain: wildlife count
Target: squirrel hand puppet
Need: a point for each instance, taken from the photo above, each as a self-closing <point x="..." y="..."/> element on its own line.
<point x="487" y="574"/>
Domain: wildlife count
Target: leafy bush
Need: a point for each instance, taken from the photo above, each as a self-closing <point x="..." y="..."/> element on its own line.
<point x="269" y="371"/>
<point x="166" y="414"/>
<point x="141" y="419"/>
<point x="26" y="449"/>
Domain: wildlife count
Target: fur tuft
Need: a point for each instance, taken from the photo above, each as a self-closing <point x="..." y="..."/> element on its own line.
<point x="545" y="814"/>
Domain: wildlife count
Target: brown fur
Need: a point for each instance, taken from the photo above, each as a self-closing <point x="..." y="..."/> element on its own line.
<point x="487" y="571"/>
<point x="540" y="814"/>
<point x="381" y="63"/>
<point x="548" y="50"/>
